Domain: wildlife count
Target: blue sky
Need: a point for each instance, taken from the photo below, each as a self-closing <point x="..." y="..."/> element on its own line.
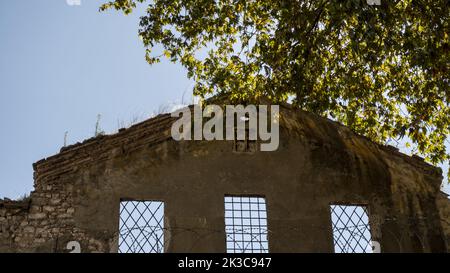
<point x="61" y="66"/>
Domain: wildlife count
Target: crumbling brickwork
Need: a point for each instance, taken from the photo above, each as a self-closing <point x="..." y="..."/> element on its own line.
<point x="319" y="162"/>
<point x="12" y="216"/>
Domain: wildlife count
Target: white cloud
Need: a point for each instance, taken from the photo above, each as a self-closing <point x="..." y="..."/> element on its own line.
<point x="73" y="2"/>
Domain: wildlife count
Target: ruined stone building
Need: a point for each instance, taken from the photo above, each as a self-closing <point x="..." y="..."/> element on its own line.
<point x="325" y="189"/>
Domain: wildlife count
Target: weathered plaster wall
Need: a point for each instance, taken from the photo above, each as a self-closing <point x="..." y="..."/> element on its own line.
<point x="443" y="205"/>
<point x="77" y="192"/>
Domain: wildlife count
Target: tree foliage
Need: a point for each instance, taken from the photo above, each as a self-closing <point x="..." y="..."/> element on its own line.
<point x="381" y="70"/>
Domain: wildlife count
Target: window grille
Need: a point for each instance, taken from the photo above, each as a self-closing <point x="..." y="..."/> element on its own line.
<point x="141" y="227"/>
<point x="246" y="224"/>
<point x="351" y="230"/>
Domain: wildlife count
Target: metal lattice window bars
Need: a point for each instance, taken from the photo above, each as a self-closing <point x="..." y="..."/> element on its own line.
<point x="246" y="224"/>
<point x="141" y="227"/>
<point x="351" y="230"/>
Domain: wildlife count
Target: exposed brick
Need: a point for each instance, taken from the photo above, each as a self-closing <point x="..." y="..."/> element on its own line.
<point x="84" y="177"/>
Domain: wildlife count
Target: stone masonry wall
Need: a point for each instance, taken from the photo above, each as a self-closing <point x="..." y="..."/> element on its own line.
<point x="78" y="191"/>
<point x="47" y="223"/>
<point x="12" y="215"/>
